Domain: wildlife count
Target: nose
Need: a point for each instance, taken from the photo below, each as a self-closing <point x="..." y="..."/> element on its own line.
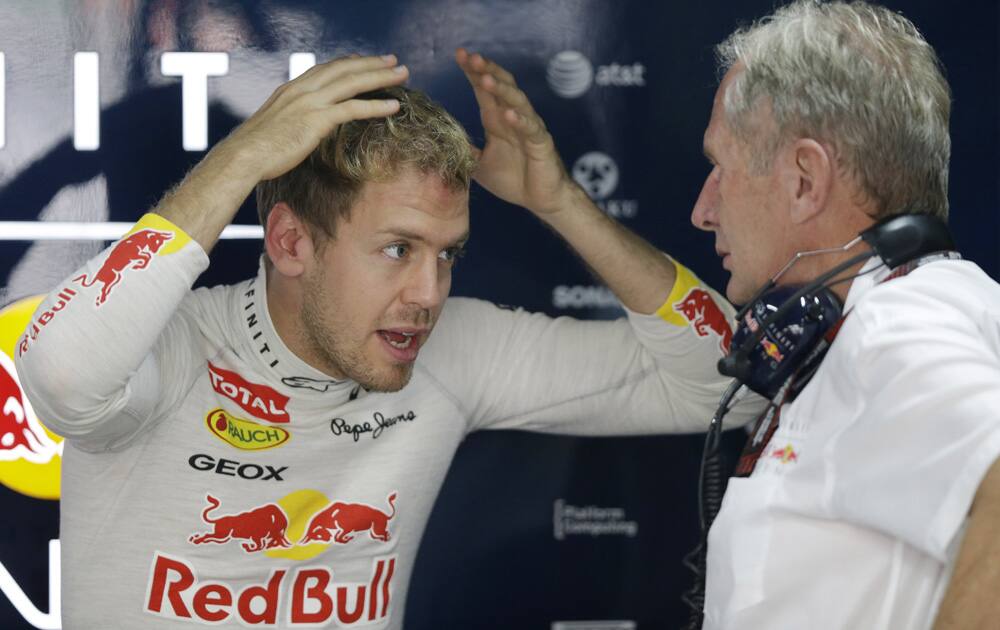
<point x="704" y="216"/>
<point x="427" y="284"/>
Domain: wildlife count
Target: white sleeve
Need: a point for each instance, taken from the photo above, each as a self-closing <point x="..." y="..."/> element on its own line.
<point x="928" y="388"/>
<point x="644" y="374"/>
<point x="89" y="360"/>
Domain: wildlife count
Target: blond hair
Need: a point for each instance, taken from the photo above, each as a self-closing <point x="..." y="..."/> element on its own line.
<point x="323" y="188"/>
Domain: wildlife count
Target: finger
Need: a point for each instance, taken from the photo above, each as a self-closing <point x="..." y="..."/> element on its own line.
<point x="357" y="109"/>
<point x="529" y="128"/>
<point x="485" y="100"/>
<point x="508" y="95"/>
<point x="351" y="85"/>
<point x="323" y="74"/>
<point x="483" y="64"/>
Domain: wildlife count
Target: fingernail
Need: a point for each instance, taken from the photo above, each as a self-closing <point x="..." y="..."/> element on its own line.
<point x="400" y="69"/>
<point x="391" y="102"/>
<point x="388" y="58"/>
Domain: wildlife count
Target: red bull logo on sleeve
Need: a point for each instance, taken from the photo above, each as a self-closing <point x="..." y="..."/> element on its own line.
<point x="706" y="318"/>
<point x="256" y="399"/>
<point x="310" y="596"/>
<point x="151" y="236"/>
<point x="133" y="252"/>
<point x="62" y="298"/>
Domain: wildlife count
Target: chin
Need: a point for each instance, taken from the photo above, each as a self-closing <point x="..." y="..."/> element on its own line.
<point x="386" y="380"/>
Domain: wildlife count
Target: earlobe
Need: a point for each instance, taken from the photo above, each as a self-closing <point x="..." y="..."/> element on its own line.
<point x="287" y="241"/>
<point x="811" y="175"/>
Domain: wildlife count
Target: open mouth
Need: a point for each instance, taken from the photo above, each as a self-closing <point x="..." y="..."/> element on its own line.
<point x="398" y="340"/>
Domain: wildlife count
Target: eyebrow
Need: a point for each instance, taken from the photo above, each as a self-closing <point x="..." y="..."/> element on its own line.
<point x="413" y="236"/>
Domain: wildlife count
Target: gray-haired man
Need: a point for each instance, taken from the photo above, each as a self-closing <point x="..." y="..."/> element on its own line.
<point x="873" y="504"/>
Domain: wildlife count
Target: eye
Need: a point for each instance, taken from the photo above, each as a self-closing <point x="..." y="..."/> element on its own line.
<point x="452" y="254"/>
<point x="396" y="251"/>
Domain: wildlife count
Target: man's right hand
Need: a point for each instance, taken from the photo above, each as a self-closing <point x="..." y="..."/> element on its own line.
<point x="300" y="113"/>
<point x="279" y="135"/>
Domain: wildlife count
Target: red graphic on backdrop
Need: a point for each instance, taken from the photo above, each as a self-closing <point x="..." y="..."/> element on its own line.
<point x="705" y="316"/>
<point x="132" y="252"/>
<point x="264" y="527"/>
<point x="21" y="435"/>
<point x="340" y="521"/>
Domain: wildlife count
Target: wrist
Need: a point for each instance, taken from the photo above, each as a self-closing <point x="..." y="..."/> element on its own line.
<point x="570" y="203"/>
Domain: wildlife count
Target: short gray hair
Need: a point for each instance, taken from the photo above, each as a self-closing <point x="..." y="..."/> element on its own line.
<point x="858" y="77"/>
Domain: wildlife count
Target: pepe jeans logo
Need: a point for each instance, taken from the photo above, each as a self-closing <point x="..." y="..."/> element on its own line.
<point x="342" y="428"/>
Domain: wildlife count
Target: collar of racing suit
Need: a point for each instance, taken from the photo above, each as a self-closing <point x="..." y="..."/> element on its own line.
<point x="271" y="354"/>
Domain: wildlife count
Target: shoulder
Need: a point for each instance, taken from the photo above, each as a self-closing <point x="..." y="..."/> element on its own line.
<point x="213" y="310"/>
<point x="938" y="304"/>
<point x="952" y="291"/>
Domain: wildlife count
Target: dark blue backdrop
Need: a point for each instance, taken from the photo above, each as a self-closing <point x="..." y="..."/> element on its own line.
<point x="511" y="543"/>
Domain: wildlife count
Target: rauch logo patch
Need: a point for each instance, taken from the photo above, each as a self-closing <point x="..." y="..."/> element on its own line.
<point x="244" y="434"/>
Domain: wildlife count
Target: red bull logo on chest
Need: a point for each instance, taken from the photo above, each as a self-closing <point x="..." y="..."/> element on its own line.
<point x="310" y="596"/>
<point x="267" y="526"/>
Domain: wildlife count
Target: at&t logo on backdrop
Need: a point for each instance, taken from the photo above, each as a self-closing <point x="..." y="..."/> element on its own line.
<point x="570" y="74"/>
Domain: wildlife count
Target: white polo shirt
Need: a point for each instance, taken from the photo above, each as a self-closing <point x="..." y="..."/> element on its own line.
<point x="854" y="514"/>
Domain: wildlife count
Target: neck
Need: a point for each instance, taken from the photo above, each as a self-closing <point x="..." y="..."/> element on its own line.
<point x="284" y="304"/>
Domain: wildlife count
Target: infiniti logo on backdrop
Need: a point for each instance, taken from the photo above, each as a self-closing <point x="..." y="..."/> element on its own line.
<point x="570" y="74"/>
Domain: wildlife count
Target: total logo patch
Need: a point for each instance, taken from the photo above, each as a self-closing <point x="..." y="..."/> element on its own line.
<point x="244" y="434"/>
<point x="256" y="399"/>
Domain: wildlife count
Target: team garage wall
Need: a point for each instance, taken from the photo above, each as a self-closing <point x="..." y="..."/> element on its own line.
<point x="100" y="114"/>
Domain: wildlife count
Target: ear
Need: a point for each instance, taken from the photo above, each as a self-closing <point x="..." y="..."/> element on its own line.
<point x="288" y="241"/>
<point x="809" y="172"/>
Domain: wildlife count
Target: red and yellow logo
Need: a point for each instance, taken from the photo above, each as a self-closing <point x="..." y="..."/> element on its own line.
<point x="244" y="434"/>
<point x="30" y="454"/>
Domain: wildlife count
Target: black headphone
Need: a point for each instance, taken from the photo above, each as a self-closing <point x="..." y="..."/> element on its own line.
<point x="782" y="330"/>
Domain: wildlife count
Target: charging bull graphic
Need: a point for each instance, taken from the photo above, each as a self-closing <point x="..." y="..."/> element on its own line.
<point x="264" y="527"/>
<point x="344" y="519"/>
<point x="705" y="316"/>
<point x="132" y="252"/>
<point x="21" y="435"/>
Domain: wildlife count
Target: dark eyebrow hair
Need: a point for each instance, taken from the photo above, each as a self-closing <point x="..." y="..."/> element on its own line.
<point x="413" y="236"/>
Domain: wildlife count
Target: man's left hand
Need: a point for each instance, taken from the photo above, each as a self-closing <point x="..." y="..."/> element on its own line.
<point x="519" y="162"/>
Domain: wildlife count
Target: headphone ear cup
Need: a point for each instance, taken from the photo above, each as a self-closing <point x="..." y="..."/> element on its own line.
<point x="766" y="351"/>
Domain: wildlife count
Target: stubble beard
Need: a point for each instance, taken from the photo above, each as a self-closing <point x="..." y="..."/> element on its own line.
<point x="335" y="347"/>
